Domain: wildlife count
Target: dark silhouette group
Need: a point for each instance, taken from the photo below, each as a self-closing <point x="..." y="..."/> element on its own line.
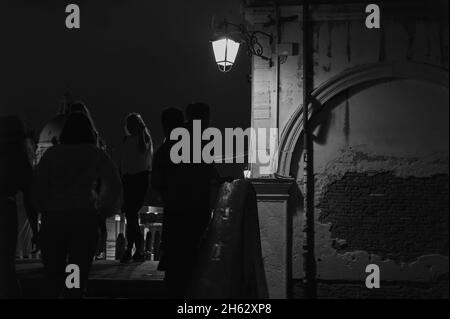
<point x="76" y="186"/>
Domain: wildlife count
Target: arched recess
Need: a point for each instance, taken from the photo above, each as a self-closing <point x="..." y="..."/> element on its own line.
<point x="343" y="81"/>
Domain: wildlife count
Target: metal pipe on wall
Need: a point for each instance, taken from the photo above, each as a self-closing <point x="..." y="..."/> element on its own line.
<point x="309" y="262"/>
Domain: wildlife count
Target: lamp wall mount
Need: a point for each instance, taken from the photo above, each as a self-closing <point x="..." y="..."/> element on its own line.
<point x="243" y="35"/>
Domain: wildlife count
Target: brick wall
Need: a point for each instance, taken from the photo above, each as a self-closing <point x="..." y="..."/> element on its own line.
<point x="397" y="218"/>
<point x="394" y="217"/>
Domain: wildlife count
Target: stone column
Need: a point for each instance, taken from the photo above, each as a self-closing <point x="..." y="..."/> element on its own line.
<point x="274" y="215"/>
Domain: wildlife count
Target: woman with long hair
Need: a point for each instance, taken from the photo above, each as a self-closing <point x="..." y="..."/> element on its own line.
<point x="79" y="106"/>
<point x="136" y="166"/>
<point x="67" y="194"/>
<point x="15" y="176"/>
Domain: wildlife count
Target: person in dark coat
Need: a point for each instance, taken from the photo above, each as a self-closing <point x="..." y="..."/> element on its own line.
<point x="66" y="191"/>
<point x="185" y="190"/>
<point x="15" y="175"/>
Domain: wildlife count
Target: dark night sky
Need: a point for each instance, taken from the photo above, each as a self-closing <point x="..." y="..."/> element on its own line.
<point x="129" y="55"/>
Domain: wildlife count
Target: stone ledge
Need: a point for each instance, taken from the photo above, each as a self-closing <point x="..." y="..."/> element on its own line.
<point x="272" y="188"/>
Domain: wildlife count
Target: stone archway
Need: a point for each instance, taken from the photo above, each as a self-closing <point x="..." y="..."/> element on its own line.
<point x="345" y="80"/>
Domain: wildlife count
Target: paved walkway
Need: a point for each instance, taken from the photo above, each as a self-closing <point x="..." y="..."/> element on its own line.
<point x="109" y="279"/>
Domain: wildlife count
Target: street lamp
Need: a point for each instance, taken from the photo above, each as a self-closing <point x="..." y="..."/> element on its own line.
<point x="226" y="43"/>
<point x="225" y="51"/>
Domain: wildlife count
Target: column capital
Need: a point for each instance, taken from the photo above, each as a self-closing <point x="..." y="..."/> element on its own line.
<point x="272" y="187"/>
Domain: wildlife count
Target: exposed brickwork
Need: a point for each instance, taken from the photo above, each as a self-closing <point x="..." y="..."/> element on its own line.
<point x="387" y="290"/>
<point x="393" y="217"/>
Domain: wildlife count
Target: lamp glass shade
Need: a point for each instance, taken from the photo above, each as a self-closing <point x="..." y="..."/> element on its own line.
<point x="225" y="51"/>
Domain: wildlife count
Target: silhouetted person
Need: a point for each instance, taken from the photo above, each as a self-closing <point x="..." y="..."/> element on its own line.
<point x="148" y="244"/>
<point x="164" y="174"/>
<point x="207" y="174"/>
<point x="136" y="166"/>
<point x="66" y="192"/>
<point x="25" y="244"/>
<point x="15" y="175"/>
<point x="185" y="191"/>
<point x="103" y="235"/>
<point x="79" y="106"/>
<point x="120" y="246"/>
<point x="157" y="246"/>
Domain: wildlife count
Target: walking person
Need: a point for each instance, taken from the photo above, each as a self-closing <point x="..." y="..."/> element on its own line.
<point x="136" y="168"/>
<point x="185" y="190"/>
<point x="164" y="177"/>
<point x="100" y="254"/>
<point x="66" y="192"/>
<point x="15" y="176"/>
